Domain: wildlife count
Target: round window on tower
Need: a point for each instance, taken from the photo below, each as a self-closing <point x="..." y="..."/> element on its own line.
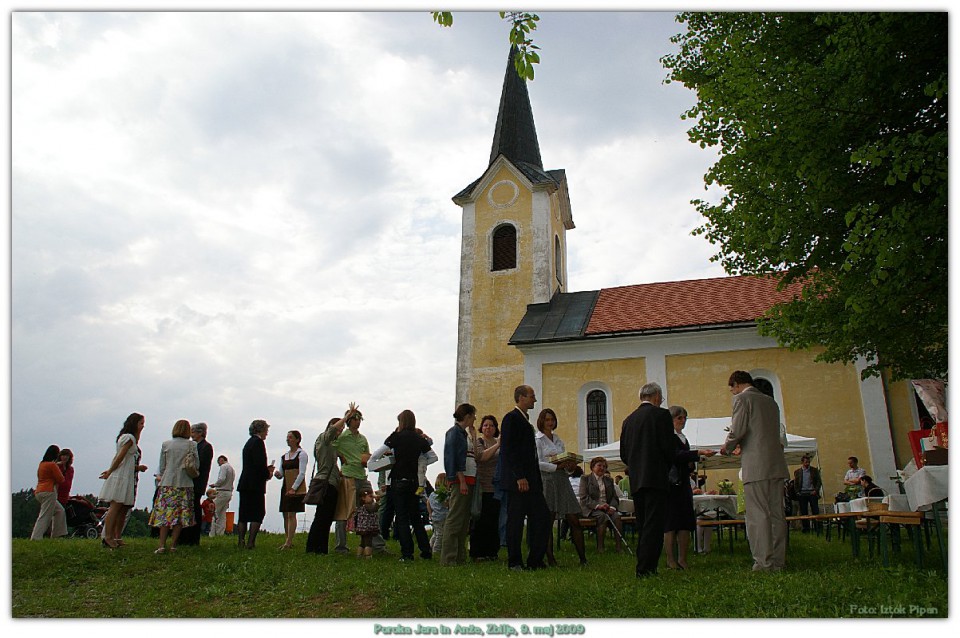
<point x="503" y="194"/>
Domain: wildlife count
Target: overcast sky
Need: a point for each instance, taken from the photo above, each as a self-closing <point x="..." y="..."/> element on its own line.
<point x="229" y="216"/>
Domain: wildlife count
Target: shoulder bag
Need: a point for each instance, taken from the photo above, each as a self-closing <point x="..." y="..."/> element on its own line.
<point x="189" y="466"/>
<point x="317" y="489"/>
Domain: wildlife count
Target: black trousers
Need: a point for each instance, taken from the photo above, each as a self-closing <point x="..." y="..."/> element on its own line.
<point x="808" y="503"/>
<point x="387" y="513"/>
<point x="485" y="536"/>
<point x="191" y="535"/>
<point x="407" y="505"/>
<point x="318" y="540"/>
<point x="532" y="507"/>
<point x="650" y="507"/>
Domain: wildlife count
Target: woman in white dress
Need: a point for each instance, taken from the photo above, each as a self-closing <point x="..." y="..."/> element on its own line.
<point x="119" y="487"/>
<point x="561" y="500"/>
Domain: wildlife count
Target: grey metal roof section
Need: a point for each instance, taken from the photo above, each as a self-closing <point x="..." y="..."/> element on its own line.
<point x="565" y="317"/>
<point x="515" y="136"/>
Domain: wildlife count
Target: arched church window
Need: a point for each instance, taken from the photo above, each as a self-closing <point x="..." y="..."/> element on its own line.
<point x="596" y="418"/>
<point x="558" y="259"/>
<point x="504" y="247"/>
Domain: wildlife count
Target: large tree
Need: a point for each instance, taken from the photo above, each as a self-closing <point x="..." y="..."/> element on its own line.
<point x="832" y="135"/>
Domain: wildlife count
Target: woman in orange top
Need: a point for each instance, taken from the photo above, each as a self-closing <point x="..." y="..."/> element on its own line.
<point x="52" y="517"/>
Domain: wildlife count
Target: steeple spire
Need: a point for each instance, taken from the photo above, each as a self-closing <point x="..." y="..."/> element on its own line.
<point x="516" y="135"/>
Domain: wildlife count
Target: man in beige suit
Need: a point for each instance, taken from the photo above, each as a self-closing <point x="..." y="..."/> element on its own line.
<point x="755" y="428"/>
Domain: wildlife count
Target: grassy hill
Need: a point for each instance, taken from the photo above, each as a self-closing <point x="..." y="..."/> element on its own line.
<point x="73" y="578"/>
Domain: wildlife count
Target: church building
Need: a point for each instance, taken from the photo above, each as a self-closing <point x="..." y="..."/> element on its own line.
<point x="587" y="353"/>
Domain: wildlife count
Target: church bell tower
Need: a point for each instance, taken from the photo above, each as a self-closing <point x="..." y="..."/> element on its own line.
<point x="512" y="253"/>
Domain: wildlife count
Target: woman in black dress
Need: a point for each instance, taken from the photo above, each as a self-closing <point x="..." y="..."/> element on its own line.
<point x="252" y="484"/>
<point x="293" y="471"/>
<point x="680" y="519"/>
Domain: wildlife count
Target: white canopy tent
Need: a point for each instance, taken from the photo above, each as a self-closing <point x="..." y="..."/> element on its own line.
<point x="711" y="433"/>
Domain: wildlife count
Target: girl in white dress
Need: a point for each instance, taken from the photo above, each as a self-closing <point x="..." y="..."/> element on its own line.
<point x="120" y="480"/>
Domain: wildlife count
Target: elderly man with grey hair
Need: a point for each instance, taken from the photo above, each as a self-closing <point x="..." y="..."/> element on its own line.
<point x="648" y="446"/>
<point x="198" y="432"/>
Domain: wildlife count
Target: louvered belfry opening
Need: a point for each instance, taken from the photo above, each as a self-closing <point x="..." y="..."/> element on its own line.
<point x="504" y="248"/>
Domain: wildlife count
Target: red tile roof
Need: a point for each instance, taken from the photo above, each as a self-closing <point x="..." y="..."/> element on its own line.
<point x="680" y="304"/>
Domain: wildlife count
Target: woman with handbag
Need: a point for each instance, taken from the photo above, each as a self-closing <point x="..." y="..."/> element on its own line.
<point x="173" y="504"/>
<point x="323" y="485"/>
<point x="293" y="471"/>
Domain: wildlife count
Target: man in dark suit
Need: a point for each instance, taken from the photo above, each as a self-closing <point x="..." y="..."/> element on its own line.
<point x="755" y="428"/>
<point x="520" y="477"/>
<point x="198" y="432"/>
<point x="648" y="447"/>
<point x="807" y="485"/>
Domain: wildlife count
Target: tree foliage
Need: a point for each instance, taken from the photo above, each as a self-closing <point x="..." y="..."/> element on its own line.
<point x="26" y="509"/>
<point x="832" y="134"/>
<point x="522" y="25"/>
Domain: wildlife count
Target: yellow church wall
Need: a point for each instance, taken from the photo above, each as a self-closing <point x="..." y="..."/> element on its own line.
<point x="562" y="383"/>
<point x="900" y="400"/>
<point x="818" y="400"/>
<point x="500" y="298"/>
<point x="492" y="392"/>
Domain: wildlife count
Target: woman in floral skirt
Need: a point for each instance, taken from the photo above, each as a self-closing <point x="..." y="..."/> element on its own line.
<point x="173" y="505"/>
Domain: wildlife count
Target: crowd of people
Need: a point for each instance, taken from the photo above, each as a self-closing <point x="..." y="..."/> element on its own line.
<point x="498" y="481"/>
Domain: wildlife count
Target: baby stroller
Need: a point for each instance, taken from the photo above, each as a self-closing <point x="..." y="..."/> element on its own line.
<point x="83" y="519"/>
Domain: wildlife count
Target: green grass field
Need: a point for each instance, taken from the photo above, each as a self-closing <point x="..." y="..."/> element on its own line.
<point x="80" y="579"/>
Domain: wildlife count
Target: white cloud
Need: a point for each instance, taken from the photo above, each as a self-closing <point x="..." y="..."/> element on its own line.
<point x="228" y="216"/>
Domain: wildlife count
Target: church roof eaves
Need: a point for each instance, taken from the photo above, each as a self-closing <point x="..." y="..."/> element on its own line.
<point x="534" y="174"/>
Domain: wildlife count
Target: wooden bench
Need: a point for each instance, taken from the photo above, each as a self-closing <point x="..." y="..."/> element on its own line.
<point x="591" y="523"/>
<point x="811" y="518"/>
<point x="890" y="523"/>
<point x="732" y="524"/>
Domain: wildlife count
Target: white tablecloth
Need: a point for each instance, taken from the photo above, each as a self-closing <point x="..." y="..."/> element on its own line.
<point x="895" y="503"/>
<point x="726" y="503"/>
<point x="930" y="484"/>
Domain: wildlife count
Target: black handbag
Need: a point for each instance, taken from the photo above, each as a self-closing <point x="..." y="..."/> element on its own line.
<point x="316" y="491"/>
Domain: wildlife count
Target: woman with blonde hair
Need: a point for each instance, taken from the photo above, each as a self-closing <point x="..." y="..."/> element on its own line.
<point x="173" y="504"/>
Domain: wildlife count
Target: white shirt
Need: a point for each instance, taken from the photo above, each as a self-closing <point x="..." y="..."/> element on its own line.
<point x="225" y="478"/>
<point x="547" y="448"/>
<point x="288" y="456"/>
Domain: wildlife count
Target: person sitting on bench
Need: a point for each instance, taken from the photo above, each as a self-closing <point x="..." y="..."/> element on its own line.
<point x="598" y="499"/>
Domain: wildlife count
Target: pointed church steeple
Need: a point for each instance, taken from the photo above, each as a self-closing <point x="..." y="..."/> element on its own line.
<point x="515" y="136"/>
